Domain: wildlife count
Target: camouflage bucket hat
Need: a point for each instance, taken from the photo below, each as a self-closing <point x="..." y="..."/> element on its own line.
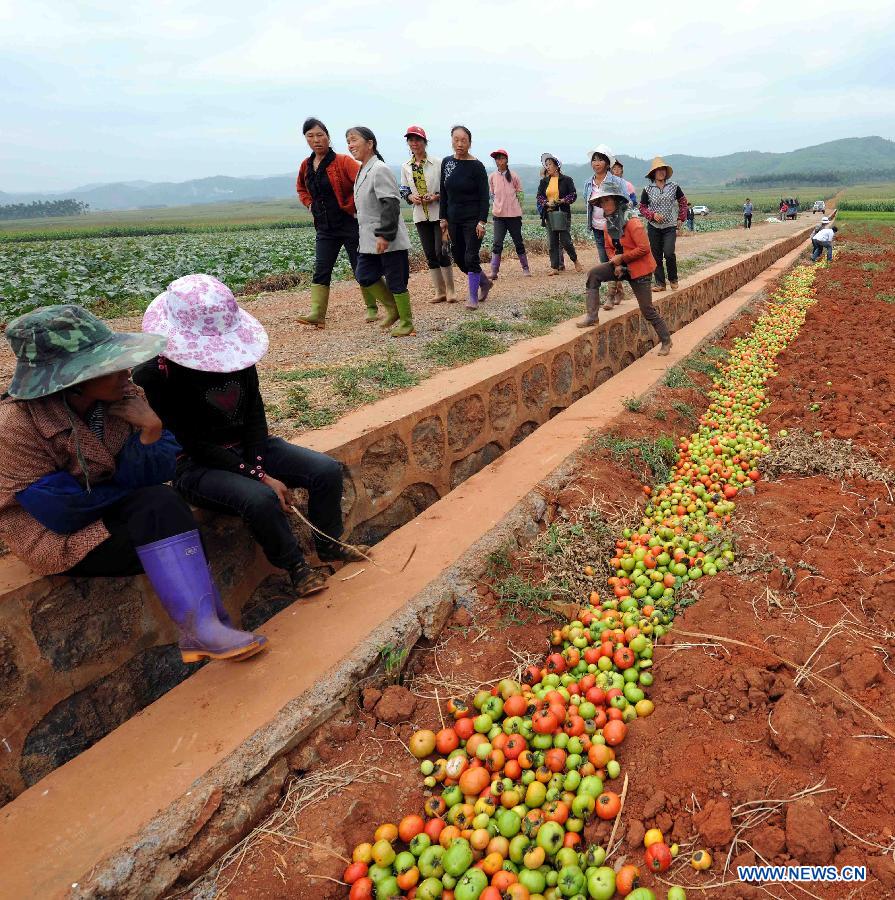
<point x="60" y="346"/>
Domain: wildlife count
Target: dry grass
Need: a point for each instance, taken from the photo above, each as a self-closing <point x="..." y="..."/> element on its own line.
<point x="799" y="453"/>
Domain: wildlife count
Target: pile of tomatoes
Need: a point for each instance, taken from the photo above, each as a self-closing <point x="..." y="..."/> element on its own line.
<point x="520" y="770"/>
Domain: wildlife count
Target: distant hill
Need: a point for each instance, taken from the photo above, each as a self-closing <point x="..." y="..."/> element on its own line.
<point x="849" y="158"/>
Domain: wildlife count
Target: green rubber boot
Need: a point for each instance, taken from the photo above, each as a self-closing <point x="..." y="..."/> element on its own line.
<point x="319" y="303"/>
<point x="405" y="322"/>
<point x="383" y="296"/>
<point x="370" y="303"/>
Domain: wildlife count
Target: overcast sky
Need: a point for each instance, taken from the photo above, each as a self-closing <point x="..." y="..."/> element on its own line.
<point x="119" y="90"/>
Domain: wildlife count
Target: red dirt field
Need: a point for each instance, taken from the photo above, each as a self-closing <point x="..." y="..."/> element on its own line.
<point x="738" y="731"/>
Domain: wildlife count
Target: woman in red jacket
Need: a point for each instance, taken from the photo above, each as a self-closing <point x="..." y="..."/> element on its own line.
<point x="630" y="259"/>
<point x="326" y="186"/>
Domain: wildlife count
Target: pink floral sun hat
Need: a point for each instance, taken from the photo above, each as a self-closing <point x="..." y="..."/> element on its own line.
<point x="205" y="326"/>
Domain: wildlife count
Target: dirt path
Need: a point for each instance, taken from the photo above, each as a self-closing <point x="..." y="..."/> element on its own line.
<point x="316" y="395"/>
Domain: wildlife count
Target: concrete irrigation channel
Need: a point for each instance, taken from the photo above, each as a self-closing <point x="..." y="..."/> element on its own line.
<point x="158" y="799"/>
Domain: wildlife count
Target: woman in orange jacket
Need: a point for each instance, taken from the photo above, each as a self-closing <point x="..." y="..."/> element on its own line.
<point x="630" y="259"/>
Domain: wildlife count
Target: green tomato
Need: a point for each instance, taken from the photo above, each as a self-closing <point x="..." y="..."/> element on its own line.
<point x="601" y="883"/>
<point x="430" y="889"/>
<point x="676" y="893"/>
<point x="387" y="888"/>
<point x="471" y="885"/>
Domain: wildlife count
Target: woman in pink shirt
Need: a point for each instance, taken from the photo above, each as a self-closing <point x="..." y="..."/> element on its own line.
<point x="506" y="194"/>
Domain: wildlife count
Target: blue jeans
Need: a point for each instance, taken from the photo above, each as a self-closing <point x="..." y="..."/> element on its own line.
<point x="600" y="241"/>
<point x="817" y="250"/>
<point x="257" y="504"/>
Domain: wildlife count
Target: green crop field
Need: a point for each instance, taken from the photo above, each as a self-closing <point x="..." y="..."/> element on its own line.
<point x="765" y="200"/>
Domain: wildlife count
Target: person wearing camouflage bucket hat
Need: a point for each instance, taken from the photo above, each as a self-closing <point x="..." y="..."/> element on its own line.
<point x="60" y="346"/>
<point x="83" y="466"/>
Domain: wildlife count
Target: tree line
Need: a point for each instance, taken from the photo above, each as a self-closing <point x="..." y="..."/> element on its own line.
<point x="43" y="209"/>
<point x="826" y="178"/>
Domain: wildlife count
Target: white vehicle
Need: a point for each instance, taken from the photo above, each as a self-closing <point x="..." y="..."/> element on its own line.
<point x="819" y="207"/>
<point x="700" y="210"/>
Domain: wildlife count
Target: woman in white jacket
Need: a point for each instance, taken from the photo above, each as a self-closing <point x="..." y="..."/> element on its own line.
<point x="420" y="183"/>
<point x="383" y="261"/>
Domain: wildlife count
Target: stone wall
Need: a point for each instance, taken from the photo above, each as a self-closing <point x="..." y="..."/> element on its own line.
<point x="80" y="656"/>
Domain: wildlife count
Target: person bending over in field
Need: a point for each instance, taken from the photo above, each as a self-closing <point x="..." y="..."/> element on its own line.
<point x="204" y="387"/>
<point x="84" y="466"/>
<point x="630" y="260"/>
<point x="325" y="185"/>
<point x="823" y="241"/>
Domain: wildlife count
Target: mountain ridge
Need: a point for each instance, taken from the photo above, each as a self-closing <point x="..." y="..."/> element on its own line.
<point x="849" y="156"/>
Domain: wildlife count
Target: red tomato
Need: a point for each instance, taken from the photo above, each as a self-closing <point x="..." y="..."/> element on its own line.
<point x="354" y="872"/>
<point x="362" y="889"/>
<point x="658" y="857"/>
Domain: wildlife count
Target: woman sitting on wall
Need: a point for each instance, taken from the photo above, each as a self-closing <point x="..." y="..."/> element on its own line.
<point x="205" y="388"/>
<point x="84" y="461"/>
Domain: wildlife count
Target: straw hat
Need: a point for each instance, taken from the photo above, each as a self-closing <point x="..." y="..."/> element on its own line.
<point x="659" y="163"/>
<point x="205" y="326"/>
<point x="556" y="159"/>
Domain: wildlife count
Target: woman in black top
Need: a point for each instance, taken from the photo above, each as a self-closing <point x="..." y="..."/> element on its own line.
<point x="210" y="399"/>
<point x="556" y="194"/>
<point x="325" y="185"/>
<point x="465" y="198"/>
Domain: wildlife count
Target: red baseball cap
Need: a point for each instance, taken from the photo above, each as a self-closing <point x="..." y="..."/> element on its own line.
<point x="416" y="131"/>
<point x="496" y="153"/>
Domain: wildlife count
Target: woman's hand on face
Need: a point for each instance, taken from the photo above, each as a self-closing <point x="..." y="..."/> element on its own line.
<point x="381" y="245"/>
<point x="137" y="412"/>
<point x="279" y="489"/>
<point x="480" y="230"/>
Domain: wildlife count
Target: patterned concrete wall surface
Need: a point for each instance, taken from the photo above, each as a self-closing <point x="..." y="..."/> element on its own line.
<point x="80" y="656"/>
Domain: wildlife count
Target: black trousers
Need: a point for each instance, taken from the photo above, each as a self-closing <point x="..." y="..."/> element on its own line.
<point x="328" y="243"/>
<point x="465" y="246"/>
<point x="662" y="242"/>
<point x="433" y="247"/>
<point x="643" y="291"/>
<point x="148" y="514"/>
<point x="513" y="225"/>
<point x="559" y="241"/>
<point x="747" y="220"/>
<point x="257" y="504"/>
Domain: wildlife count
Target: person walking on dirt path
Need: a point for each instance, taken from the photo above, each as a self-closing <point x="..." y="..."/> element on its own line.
<point x="84" y="463"/>
<point x="506" y="209"/>
<point x="618" y="169"/>
<point x="324" y="185"/>
<point x="664" y="206"/>
<point x="691" y="218"/>
<point x="748" y="209"/>
<point x="602" y="160"/>
<point x="420" y="177"/>
<point x="630" y="260"/>
<point x="556" y="194"/>
<point x="383" y="258"/>
<point x="204" y="387"/>
<point x="465" y="199"/>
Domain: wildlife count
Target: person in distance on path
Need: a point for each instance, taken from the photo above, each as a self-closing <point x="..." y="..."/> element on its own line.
<point x="420" y="177"/>
<point x="325" y="185"/>
<point x="630" y="261"/>
<point x="84" y="465"/>
<point x="465" y="199"/>
<point x="204" y="387"/>
<point x="506" y="200"/>
<point x="383" y="258"/>
<point x="748" y="209"/>
<point x="556" y="194"/>
<point x="663" y="205"/>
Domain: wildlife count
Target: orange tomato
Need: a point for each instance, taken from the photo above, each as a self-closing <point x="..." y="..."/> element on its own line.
<point x="409" y="827"/>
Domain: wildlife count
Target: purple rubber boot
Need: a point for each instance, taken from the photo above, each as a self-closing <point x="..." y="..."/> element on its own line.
<point x="523" y="261"/>
<point x="486" y="285"/>
<point x="474" y="279"/>
<point x="495" y="265"/>
<point x="178" y="571"/>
